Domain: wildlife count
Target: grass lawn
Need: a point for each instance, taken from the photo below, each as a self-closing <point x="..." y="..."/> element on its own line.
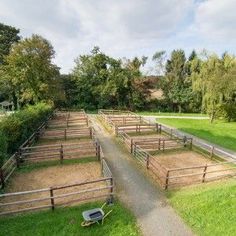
<point x="66" y="222"/>
<point x="221" y="133"/>
<point x="152" y="113"/>
<point x="209" y="209"/>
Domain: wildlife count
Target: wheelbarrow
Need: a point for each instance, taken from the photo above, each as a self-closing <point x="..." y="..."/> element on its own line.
<point x="93" y="216"/>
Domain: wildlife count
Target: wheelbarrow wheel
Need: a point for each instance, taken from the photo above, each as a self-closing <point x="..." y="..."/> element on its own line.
<point x="87" y="223"/>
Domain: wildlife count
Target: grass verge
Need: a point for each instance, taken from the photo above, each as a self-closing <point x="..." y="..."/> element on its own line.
<point x="153" y="113"/>
<point x="220" y="133"/>
<point x="209" y="209"/>
<point x="66" y="222"/>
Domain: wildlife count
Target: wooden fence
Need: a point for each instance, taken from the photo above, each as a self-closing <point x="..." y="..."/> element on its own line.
<point x="200" y="174"/>
<point x="67" y="133"/>
<point x="59" y="151"/>
<point x="162" y="144"/>
<point x="58" y="195"/>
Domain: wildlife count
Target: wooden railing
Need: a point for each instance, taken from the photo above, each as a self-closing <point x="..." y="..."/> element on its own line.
<point x="67" y="133"/>
<point x="50" y="196"/>
<point x="59" y="151"/>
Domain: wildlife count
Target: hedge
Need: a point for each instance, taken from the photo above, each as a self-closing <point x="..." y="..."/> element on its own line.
<point x="17" y="127"/>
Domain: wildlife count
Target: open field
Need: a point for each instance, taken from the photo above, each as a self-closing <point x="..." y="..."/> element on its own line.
<point x="208" y="209"/>
<point x="66" y="221"/>
<point x="153" y="113"/>
<point x="220" y="133"/>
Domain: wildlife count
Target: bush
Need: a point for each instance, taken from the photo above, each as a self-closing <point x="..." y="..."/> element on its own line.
<point x="16" y="128"/>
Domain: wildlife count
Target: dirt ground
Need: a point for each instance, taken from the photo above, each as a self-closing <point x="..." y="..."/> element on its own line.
<point x="51" y="177"/>
<point x="182" y="159"/>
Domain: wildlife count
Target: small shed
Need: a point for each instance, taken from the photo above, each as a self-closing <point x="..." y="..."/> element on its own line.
<point x="5" y="105"/>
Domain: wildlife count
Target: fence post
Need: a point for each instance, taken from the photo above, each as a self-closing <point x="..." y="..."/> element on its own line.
<point x="111" y="190"/>
<point x="61" y="154"/>
<point x="2" y="178"/>
<point x="191" y="144"/>
<point x="147" y="160"/>
<point x="90" y="132"/>
<point x="212" y="151"/>
<point x="159" y="144"/>
<point x="160" y="128"/>
<point x="98" y="150"/>
<point x="52" y="199"/>
<point x="204" y="174"/>
<point x="157" y="127"/>
<point x="163" y="145"/>
<point x="167" y="179"/>
<point x="131" y="145"/>
<point x="134" y="149"/>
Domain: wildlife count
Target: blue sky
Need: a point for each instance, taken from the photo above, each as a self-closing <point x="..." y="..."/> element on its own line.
<point x="125" y="28"/>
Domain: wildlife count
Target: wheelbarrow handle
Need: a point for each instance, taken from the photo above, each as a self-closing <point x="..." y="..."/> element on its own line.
<point x="106" y="215"/>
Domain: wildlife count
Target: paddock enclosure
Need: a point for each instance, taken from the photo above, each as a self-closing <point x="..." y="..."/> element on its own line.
<point x="58" y="183"/>
<point x="170" y="157"/>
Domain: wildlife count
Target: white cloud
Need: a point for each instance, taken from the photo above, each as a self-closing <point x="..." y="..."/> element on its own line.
<point x="121" y="28"/>
<point x="215" y="19"/>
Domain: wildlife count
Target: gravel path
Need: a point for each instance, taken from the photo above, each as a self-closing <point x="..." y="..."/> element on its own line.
<point x="145" y="199"/>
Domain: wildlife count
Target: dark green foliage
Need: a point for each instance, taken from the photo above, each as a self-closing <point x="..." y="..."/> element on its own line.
<point x="104" y="82"/>
<point x="8" y="36"/>
<point x="16" y="128"/>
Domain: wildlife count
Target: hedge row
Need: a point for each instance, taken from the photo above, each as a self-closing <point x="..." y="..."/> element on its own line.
<point x="17" y="127"/>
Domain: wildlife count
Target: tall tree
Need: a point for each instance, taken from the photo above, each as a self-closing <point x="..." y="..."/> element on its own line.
<point x="8" y="36"/>
<point x="29" y="71"/>
<point x="216" y="81"/>
<point x="175" y="86"/>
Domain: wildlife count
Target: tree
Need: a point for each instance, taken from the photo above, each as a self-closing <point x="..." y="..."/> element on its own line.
<point x="175" y="86"/>
<point x="216" y="80"/>
<point x="159" y="59"/>
<point x="8" y="36"/>
<point x="29" y="71"/>
<point x="104" y="82"/>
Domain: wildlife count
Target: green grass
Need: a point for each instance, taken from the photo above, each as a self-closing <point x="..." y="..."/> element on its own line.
<point x="209" y="209"/>
<point x="220" y="132"/>
<point x="152" y="113"/>
<point x="66" y="222"/>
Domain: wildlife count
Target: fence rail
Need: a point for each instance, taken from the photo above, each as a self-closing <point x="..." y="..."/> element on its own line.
<point x="59" y="151"/>
<point x="50" y="199"/>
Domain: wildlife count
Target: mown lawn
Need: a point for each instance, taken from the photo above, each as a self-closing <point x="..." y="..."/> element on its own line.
<point x="66" y="222"/>
<point x="221" y="133"/>
<point x="209" y="209"/>
<point x="152" y="113"/>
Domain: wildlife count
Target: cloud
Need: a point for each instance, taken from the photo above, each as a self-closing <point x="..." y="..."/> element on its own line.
<point x="215" y="20"/>
<point x="121" y="28"/>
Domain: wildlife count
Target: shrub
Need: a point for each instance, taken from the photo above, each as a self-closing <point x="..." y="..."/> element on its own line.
<point x="17" y="127"/>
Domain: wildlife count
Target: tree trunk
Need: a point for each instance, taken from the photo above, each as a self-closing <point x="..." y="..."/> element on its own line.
<point x="180" y="108"/>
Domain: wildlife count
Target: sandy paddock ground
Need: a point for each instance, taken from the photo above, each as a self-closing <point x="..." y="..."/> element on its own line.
<point x="181" y="159"/>
<point x="51" y="177"/>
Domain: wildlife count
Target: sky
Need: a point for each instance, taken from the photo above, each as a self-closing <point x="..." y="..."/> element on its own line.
<point x="125" y="28"/>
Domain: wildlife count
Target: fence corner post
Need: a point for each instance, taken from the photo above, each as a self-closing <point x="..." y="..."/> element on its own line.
<point x="98" y="151"/>
<point x="131" y="145"/>
<point x="52" y="199"/>
<point x="167" y="179"/>
<point x="111" y="190"/>
<point x="204" y="174"/>
<point x="61" y="154"/>
<point x="147" y="160"/>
